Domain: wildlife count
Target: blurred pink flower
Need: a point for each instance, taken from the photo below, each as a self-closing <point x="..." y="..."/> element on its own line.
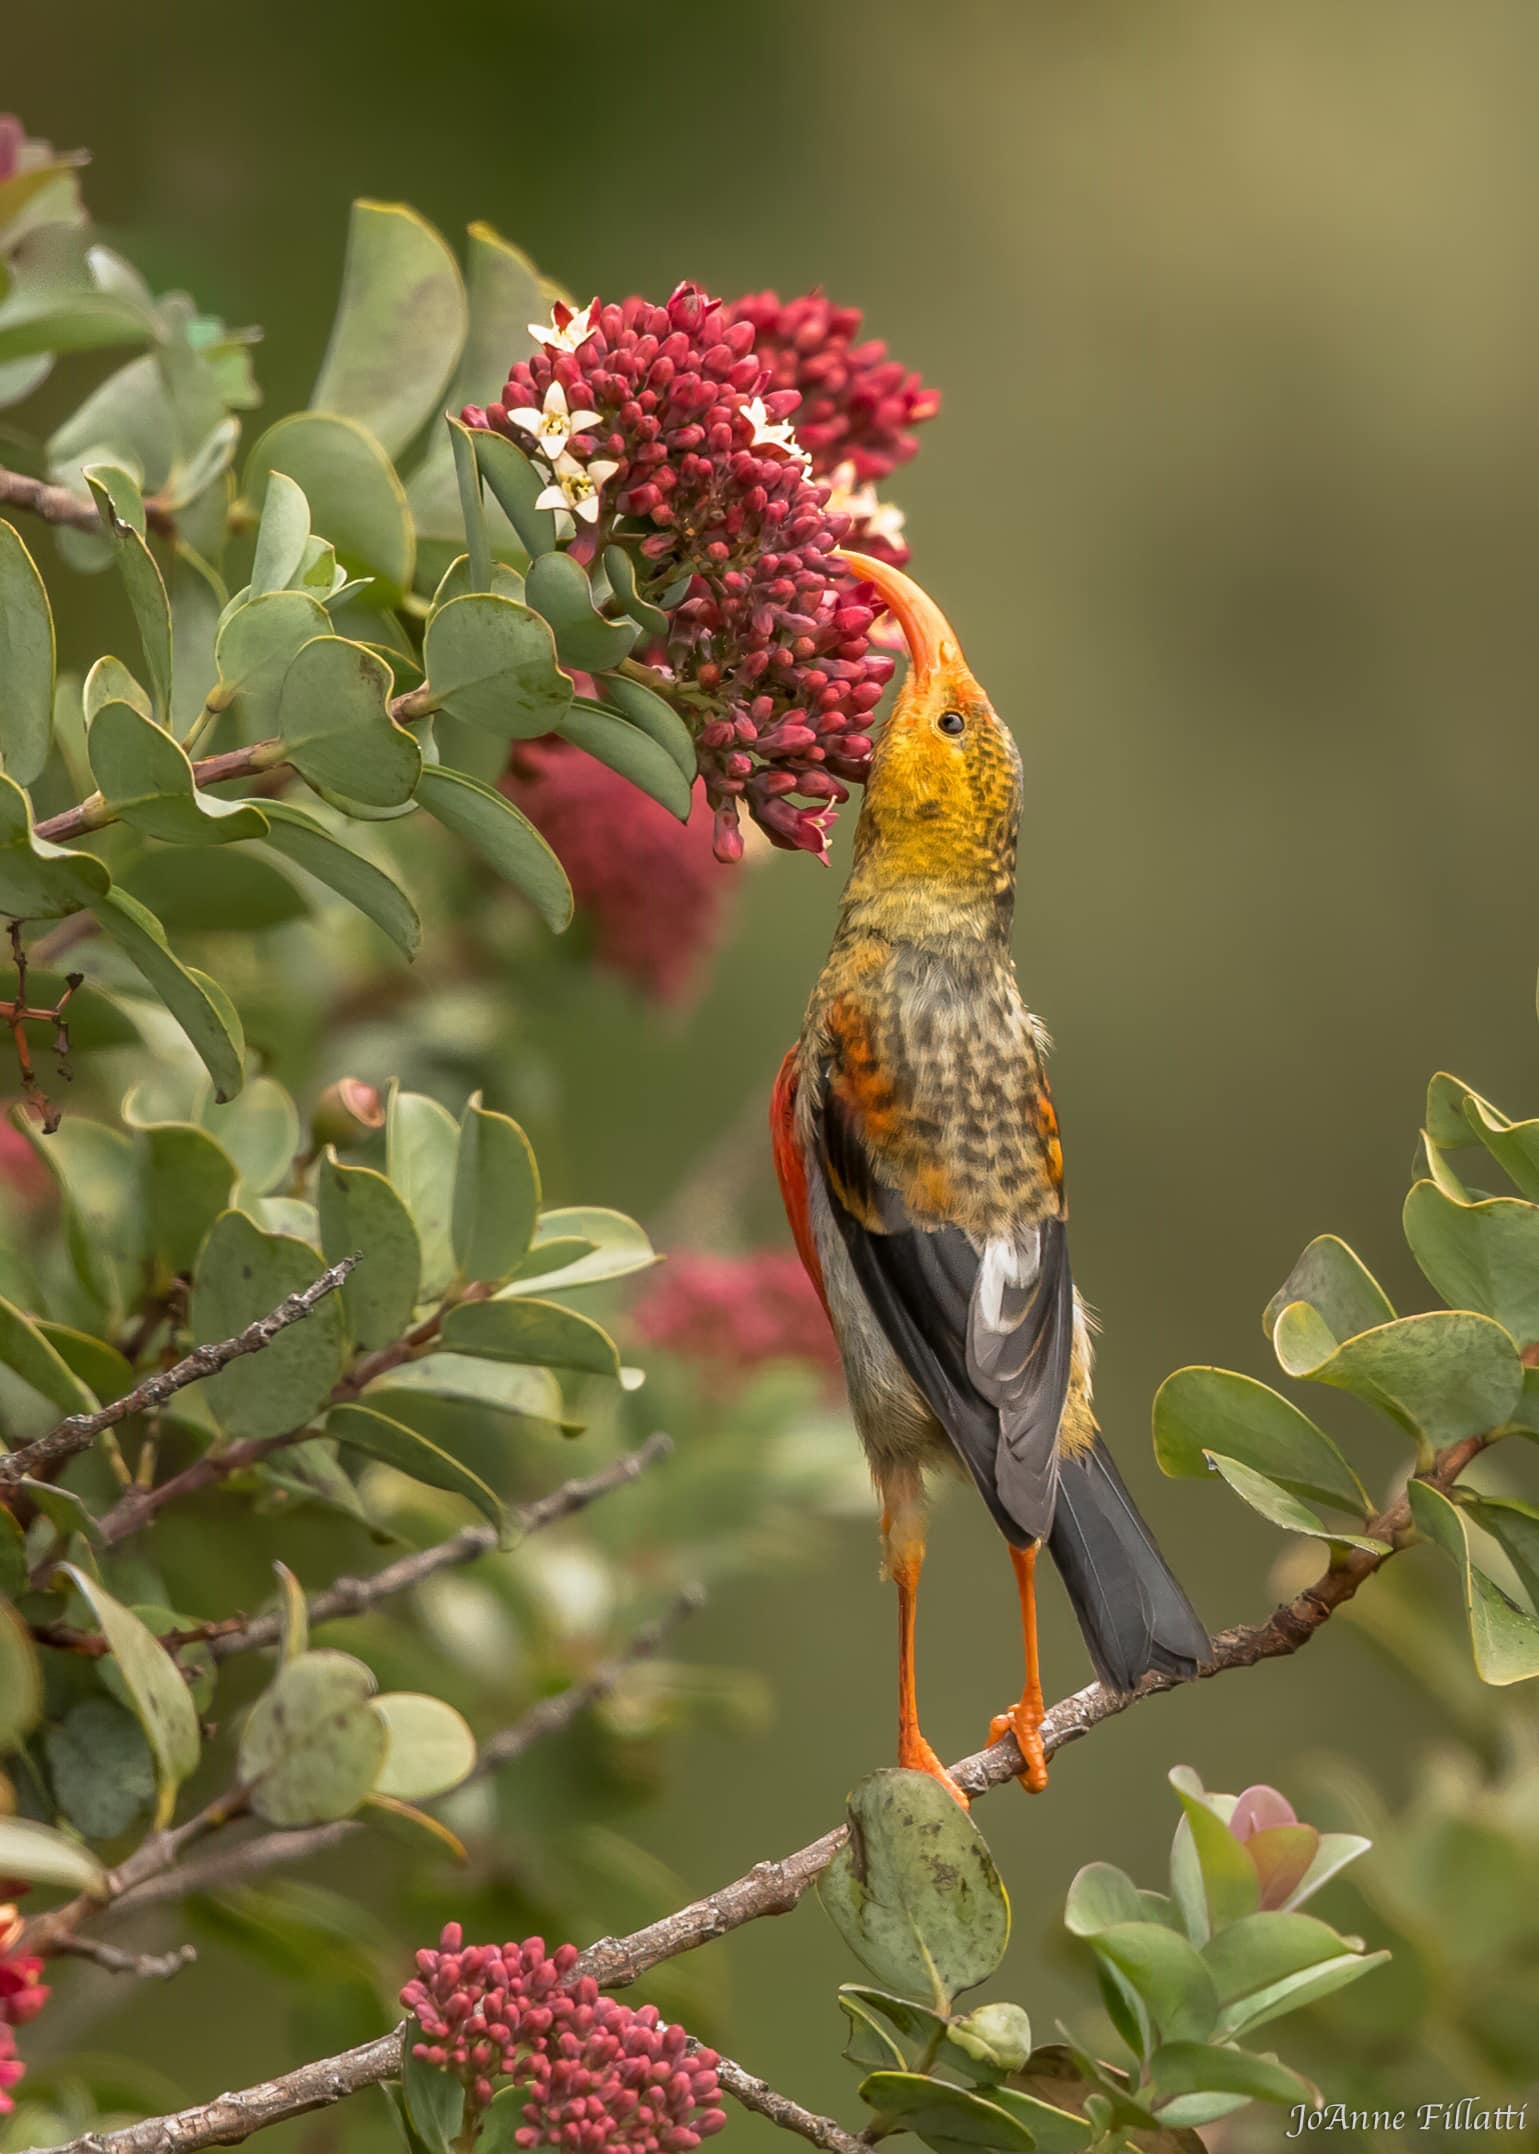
<point x="645" y="883"/>
<point x="732" y="1314"/>
<point x="24" y="1180"/>
<point x="1280" y="1848"/>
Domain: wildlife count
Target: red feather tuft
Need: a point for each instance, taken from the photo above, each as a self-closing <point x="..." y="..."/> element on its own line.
<point x="791" y="1172"/>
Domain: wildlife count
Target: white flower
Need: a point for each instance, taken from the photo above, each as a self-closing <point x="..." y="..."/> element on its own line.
<point x="554" y="426"/>
<point x="771" y="433"/>
<point x="565" y="331"/>
<point x="875" y="518"/>
<point x="576" y="487"/>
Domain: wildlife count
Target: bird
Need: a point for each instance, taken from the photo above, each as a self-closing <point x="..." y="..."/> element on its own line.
<point x="921" y="1165"/>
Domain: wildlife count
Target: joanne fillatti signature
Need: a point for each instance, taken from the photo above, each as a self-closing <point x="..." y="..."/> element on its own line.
<point x="1470" y="2114"/>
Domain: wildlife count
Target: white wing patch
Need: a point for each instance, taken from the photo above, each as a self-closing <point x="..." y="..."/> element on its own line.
<point x="1008" y="1262"/>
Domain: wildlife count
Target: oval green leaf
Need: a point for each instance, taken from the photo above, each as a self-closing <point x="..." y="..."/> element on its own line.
<point x="243" y="1274"/>
<point x="496" y="1194"/>
<point x="26" y="662"/>
<point x="504" y="837"/>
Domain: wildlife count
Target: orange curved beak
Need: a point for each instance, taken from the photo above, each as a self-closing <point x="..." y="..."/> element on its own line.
<point x="931" y="639"/>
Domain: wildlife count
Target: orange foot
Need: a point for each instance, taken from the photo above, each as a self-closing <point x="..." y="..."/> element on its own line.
<point x="917" y="1756"/>
<point x="1026" y="1727"/>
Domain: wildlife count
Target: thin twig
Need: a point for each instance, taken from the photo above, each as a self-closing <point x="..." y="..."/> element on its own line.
<point x="55" y="504"/>
<point x="774" y="1888"/>
<point x="765" y="2101"/>
<point x="147" y="1966"/>
<point x="255" y="761"/>
<point x="271" y="1850"/>
<point x="353" y="1596"/>
<point x="79" y="1431"/>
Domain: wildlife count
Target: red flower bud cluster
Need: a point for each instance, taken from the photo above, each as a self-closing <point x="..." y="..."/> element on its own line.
<point x="733" y="1314"/>
<point x="644" y="883"/>
<point x="600" y="2075"/>
<point x="23" y="1993"/>
<point x="858" y="407"/>
<point x="768" y="638"/>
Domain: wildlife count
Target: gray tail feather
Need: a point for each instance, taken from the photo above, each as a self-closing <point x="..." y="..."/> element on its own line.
<point x="1133" y="1614"/>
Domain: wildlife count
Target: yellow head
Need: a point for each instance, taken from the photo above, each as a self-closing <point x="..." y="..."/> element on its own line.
<point x="943" y="800"/>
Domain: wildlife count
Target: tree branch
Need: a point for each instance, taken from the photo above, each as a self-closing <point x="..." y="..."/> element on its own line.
<point x="79" y="1431"/>
<point x="147" y="1966"/>
<point x="765" y="2101"/>
<point x="55" y="504"/>
<point x="353" y="1596"/>
<point x="269" y="1850"/>
<point x="774" y="1888"/>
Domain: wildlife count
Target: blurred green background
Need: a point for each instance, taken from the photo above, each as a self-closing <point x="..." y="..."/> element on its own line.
<point x="1234" y="500"/>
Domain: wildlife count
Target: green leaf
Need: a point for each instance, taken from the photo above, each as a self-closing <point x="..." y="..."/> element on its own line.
<point x="1337" y="1285"/>
<point x="1227" y="1885"/>
<point x="1056" y="2131"/>
<point x="1168" y="1974"/>
<point x="496" y="1194"/>
<point x="540" y="1332"/>
<point x="1479" y="1256"/>
<point x="467" y="479"/>
<point x="364" y="1428"/>
<point x="421" y="1151"/>
<point x="400" y="324"/>
<point x="40" y="1856"/>
<point x="516" y="486"/>
<point x="260" y="1132"/>
<point x="1442" y="1377"/>
<point x="40" y="880"/>
<point x="994" y="2038"/>
<point x="296" y="1615"/>
<point x="26" y="1353"/>
<point x="504" y="837"/>
<point x="301" y="837"/>
<point x="491" y="662"/>
<point x="257" y="644"/>
<point x="147" y="780"/>
<point x="243" y="1274"/>
<point x="282" y="536"/>
<point x="360" y="1210"/>
<point x="101" y="1768"/>
<point x="157" y="1692"/>
<point x="189" y="1179"/>
<point x="625" y="748"/>
<point x="1282" y="1507"/>
<point x="109" y="681"/>
<point x="1254" y="1954"/>
<point x="145" y="586"/>
<point x="197" y="597"/>
<point x="619" y="1248"/>
<point x="868" y="2044"/>
<point x="435" y="2103"/>
<point x="621" y="571"/>
<point x="334" y="716"/>
<point x="659" y="720"/>
<point x="313" y="1744"/>
<point x="943" y="2116"/>
<point x="1513" y="1145"/>
<point x="1504" y="1636"/>
<point x="1100" y="1897"/>
<point x="202" y="1009"/>
<point x="355" y="498"/>
<point x="37" y="321"/>
<point x="558" y="588"/>
<point x="431" y="1747"/>
<point x="914" y="1891"/>
<point x="1294" y="1991"/>
<point x="1180" y="2069"/>
<point x="1515" y="1526"/>
<point x="1199" y="1411"/>
<point x="26" y="662"/>
<point x="21" y="1680"/>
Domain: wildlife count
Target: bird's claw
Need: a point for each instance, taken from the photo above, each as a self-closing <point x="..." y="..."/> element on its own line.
<point x="917" y="1756"/>
<point x="1027" y="1730"/>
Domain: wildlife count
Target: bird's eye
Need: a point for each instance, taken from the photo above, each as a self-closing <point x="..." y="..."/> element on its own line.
<point x="952" y="722"/>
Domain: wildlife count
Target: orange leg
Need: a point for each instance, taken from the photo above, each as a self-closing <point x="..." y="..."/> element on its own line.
<point x="903" y="1541"/>
<point x="1024" y="1720"/>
